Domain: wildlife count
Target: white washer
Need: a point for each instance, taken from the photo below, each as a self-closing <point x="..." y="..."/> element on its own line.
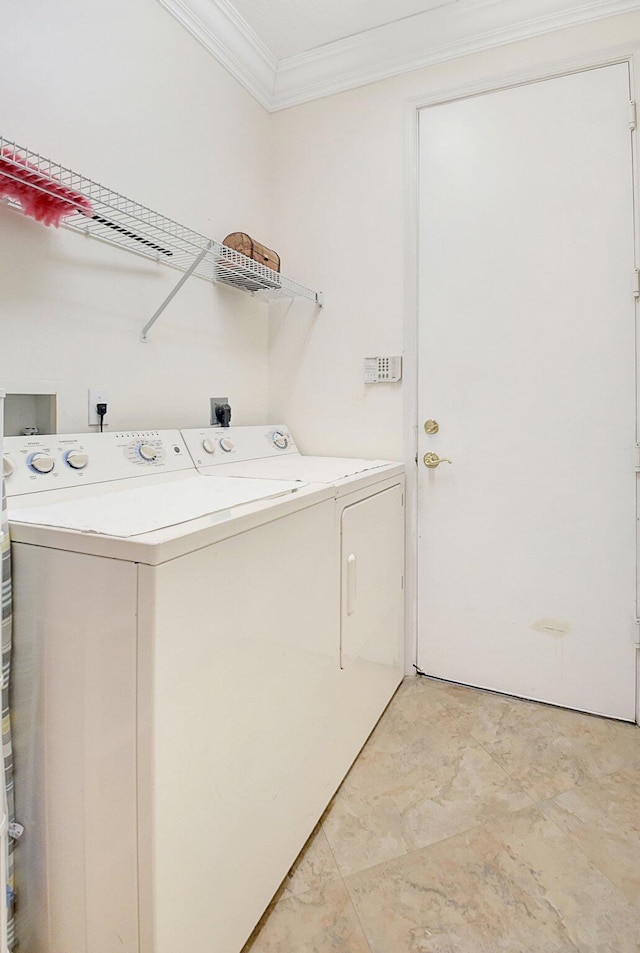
<point x="369" y="516"/>
<point x="180" y="717"/>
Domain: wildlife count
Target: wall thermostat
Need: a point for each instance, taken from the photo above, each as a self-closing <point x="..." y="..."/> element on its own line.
<point x="379" y="370"/>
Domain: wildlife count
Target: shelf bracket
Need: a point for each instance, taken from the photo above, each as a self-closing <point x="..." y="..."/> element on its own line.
<point x="172" y="294"/>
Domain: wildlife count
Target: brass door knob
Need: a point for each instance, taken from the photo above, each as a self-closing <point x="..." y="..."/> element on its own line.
<point x="432" y="460"/>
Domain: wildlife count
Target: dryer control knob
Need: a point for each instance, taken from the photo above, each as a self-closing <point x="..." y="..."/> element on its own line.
<point x="42" y="463"/>
<point x="209" y="446"/>
<point x="280" y="440"/>
<point x="7" y="467"/>
<point x="226" y="445"/>
<point x="77" y="459"/>
<point x="147" y="452"/>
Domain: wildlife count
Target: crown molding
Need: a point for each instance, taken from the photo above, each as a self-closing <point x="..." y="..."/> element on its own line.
<point x="469" y="26"/>
<point x="399" y="47"/>
<point x="225" y="34"/>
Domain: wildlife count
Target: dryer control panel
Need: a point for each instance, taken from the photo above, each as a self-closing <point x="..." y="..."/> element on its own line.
<point x="211" y="446"/>
<point x="53" y="461"/>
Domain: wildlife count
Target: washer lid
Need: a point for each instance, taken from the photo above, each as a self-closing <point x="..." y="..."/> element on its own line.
<point x="144" y="509"/>
<point x="297" y="467"/>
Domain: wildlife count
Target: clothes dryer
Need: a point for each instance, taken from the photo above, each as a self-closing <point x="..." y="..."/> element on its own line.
<point x="369" y="540"/>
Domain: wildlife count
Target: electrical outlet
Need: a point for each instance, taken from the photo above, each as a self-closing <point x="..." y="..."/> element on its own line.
<point x="213" y="403"/>
<point x="97" y="395"/>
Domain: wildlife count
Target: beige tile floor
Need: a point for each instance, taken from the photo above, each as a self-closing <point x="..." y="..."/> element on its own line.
<point x="472" y="823"/>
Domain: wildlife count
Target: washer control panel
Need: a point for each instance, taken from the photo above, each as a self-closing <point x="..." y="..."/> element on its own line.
<point x="214" y="446"/>
<point x="148" y="450"/>
<point x="41" y="462"/>
<point x="54" y="461"/>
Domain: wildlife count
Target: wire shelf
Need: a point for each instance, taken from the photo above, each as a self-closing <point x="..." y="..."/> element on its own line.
<point x="113" y="218"/>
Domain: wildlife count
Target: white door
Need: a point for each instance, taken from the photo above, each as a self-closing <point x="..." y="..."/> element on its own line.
<point x="527" y="364"/>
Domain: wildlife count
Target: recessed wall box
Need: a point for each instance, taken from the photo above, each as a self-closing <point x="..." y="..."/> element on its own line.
<point x="35" y="412"/>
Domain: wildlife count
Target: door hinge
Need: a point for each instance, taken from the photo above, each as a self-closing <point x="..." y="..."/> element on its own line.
<point x="636" y="283"/>
<point x="637" y="639"/>
<point x="636" y="457"/>
<point x="633" y="119"/>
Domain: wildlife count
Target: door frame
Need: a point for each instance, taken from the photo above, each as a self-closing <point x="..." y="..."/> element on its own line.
<point x="622" y="54"/>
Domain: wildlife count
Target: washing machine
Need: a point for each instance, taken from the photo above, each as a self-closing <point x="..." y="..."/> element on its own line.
<point x="180" y="716"/>
<point x="369" y="533"/>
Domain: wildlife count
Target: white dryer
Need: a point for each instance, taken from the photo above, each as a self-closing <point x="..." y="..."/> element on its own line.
<point x="369" y="532"/>
<point x="179" y="716"/>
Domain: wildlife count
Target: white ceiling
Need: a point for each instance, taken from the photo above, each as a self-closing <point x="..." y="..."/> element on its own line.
<point x="290" y="51"/>
<point x="289" y="27"/>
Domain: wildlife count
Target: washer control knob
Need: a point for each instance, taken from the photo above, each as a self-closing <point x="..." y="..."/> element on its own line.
<point x="7" y="467"/>
<point x="209" y="446"/>
<point x="77" y="459"/>
<point x="280" y="440"/>
<point x="42" y="463"/>
<point x="148" y="452"/>
<point x="226" y="445"/>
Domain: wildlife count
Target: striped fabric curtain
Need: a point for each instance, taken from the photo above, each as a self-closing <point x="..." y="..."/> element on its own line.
<point x="7" y="750"/>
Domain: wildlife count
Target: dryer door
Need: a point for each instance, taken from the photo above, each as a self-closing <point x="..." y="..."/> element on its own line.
<point x="372" y="554"/>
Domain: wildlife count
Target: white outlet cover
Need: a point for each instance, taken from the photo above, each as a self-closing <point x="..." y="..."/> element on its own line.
<point x="97" y="395"/>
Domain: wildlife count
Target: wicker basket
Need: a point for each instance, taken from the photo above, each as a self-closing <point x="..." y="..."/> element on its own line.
<point x="235" y="271"/>
<point x="246" y="245"/>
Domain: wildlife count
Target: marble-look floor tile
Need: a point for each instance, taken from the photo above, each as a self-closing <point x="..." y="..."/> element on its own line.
<point x="417" y="699"/>
<point x="519" y="885"/>
<point x="450" y="695"/>
<point x="463" y="864"/>
<point x="412" y="785"/>
<point x="603" y="818"/>
<point x="317" y="921"/>
<point x="314" y="868"/>
<point x="548" y="750"/>
<point x="409" y="744"/>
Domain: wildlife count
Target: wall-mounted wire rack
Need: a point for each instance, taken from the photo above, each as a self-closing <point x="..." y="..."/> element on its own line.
<point x="110" y="217"/>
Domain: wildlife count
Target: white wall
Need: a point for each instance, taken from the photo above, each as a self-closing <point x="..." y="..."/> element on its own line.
<point x="340" y="175"/>
<point x="119" y="91"/>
